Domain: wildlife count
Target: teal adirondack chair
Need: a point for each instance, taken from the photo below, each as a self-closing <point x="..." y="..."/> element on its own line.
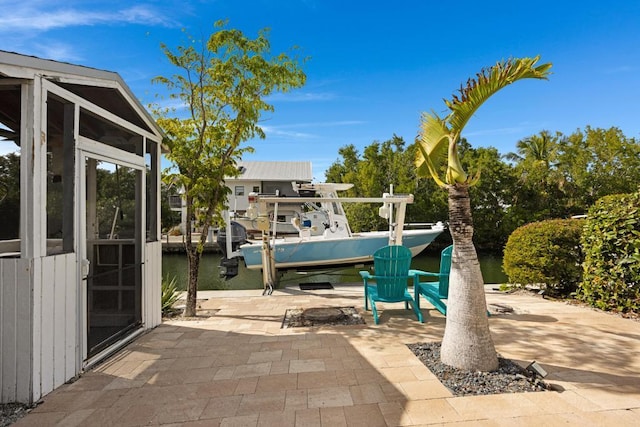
<point x="391" y="271"/>
<point x="434" y="291"/>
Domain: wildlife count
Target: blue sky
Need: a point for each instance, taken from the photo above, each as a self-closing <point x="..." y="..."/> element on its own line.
<point x="374" y="66"/>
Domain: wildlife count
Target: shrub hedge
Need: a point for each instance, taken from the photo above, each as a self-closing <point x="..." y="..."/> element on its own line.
<point x="546" y="253"/>
<point x="611" y="242"/>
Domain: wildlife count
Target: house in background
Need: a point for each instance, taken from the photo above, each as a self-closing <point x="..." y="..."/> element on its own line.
<point x="256" y="177"/>
<point x="266" y="178"/>
<point x="273" y="178"/>
<point x="80" y="254"/>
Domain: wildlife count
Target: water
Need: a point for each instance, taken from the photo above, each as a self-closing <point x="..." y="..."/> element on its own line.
<point x="176" y="265"/>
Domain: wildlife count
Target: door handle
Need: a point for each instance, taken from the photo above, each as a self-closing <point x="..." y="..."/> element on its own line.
<point x="85" y="268"/>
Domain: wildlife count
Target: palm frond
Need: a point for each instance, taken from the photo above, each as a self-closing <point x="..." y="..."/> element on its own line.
<point x="433" y="146"/>
<point x="488" y="82"/>
<point x="438" y="141"/>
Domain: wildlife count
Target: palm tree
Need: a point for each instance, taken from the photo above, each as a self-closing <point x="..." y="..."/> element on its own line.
<point x="540" y="148"/>
<point x="467" y="342"/>
<point x="537" y="164"/>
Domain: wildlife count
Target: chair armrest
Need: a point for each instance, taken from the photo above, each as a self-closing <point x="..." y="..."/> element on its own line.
<point x="417" y="273"/>
<point x="367" y="276"/>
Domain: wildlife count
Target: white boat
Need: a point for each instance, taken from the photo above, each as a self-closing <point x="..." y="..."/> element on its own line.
<point x="336" y="245"/>
<point x="290" y="211"/>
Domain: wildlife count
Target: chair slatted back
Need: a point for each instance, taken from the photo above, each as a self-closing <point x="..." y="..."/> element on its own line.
<point x="391" y="265"/>
<point x="445" y="269"/>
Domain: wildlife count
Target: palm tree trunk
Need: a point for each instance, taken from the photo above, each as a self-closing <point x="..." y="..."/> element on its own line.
<point x="467" y="342"/>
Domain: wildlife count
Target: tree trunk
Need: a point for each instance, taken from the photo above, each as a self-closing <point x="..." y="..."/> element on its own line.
<point x="193" y="263"/>
<point x="467" y="342"/>
<point x="193" y="258"/>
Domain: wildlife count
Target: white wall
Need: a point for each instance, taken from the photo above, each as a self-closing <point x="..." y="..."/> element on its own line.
<point x="152" y="285"/>
<point x="56" y="322"/>
<point x="39" y="341"/>
<point x="240" y="203"/>
<point x="15" y="329"/>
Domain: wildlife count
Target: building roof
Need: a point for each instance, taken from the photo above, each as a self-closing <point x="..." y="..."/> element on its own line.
<point x="275" y="171"/>
<point x="105" y="89"/>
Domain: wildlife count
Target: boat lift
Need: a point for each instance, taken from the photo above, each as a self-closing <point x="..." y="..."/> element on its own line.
<point x="258" y="210"/>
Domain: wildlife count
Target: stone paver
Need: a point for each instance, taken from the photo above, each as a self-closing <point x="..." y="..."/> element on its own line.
<point x="240" y="368"/>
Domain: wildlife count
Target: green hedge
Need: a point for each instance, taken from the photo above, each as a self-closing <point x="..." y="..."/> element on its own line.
<point x="611" y="244"/>
<point x="545" y="253"/>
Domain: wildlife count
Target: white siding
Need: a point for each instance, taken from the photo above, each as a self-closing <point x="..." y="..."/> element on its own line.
<point x="15" y="330"/>
<point x="55" y="340"/>
<point x="152" y="285"/>
<point x="240" y="203"/>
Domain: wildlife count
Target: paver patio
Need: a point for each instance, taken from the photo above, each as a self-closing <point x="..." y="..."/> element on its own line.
<point x="240" y="368"/>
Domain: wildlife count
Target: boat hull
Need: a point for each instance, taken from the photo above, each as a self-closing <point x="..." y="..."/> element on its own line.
<point x="298" y="253"/>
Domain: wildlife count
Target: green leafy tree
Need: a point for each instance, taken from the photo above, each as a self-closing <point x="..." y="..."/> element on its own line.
<point x="346" y="171"/>
<point x="560" y="175"/>
<point x="540" y="190"/>
<point x="10" y="196"/>
<point x="429" y="205"/>
<point x="611" y="241"/>
<point x="491" y="197"/>
<point x="224" y="84"/>
<point x="467" y="342"/>
<point x="116" y="195"/>
<point x="596" y="163"/>
<point x="381" y="165"/>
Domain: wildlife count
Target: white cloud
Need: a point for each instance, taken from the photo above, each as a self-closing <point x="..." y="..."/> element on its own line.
<point x="497" y="131"/>
<point x="33" y="16"/>
<point x="283" y="130"/>
<point x="56" y="51"/>
<point x="171" y="104"/>
<point x="301" y="97"/>
<point x="277" y="131"/>
<point x="619" y="69"/>
<point x="324" y="124"/>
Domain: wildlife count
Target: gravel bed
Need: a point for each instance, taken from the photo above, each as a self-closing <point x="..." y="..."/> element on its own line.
<point x="508" y="378"/>
<point x="12" y="412"/>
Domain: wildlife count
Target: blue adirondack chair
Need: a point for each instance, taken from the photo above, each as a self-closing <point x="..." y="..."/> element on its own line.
<point x="435" y="290"/>
<point x="391" y="271"/>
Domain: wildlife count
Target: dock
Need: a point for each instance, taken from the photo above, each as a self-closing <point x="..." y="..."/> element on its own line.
<point x="175" y="244"/>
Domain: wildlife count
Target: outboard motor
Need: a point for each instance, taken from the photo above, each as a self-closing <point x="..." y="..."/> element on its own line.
<point x="238" y="235"/>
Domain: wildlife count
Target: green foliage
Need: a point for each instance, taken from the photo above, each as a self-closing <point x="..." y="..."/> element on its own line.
<point x="10" y="196"/>
<point x="612" y="254"/>
<point x="116" y="192"/>
<point x="490" y="197"/>
<point x="546" y="253"/>
<point x="224" y="85"/>
<point x="364" y="217"/>
<point x="381" y="165"/>
<point x="560" y="176"/>
<point x="538" y="182"/>
<point x="597" y="163"/>
<point x="170" y="294"/>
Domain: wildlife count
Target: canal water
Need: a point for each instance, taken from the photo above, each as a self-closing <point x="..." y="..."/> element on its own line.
<point x="175" y="265"/>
